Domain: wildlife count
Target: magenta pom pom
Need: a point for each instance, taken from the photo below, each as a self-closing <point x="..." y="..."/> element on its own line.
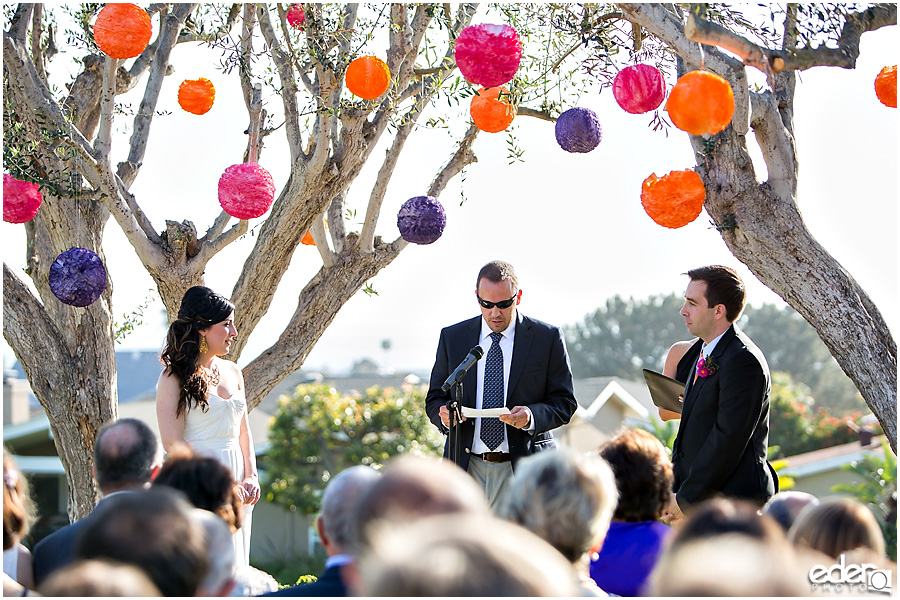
<point x="77" y="277"/>
<point x="421" y="220"/>
<point x="246" y="191"/>
<point x="295" y="16"/>
<point x="21" y="200"/>
<point x="639" y="88"/>
<point x="578" y="130"/>
<point x="488" y="55"/>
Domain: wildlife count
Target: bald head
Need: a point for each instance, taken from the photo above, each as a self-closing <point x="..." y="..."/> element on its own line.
<point x="785" y="506"/>
<point x="126" y="453"/>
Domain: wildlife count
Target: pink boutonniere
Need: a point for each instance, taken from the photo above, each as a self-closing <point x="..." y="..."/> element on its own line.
<point x="706" y="367"/>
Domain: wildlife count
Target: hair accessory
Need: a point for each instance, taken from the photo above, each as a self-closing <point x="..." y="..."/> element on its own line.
<point x="10" y="479"/>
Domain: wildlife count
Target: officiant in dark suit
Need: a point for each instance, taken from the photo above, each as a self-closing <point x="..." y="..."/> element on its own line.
<point x="525" y="368"/>
<point x="724" y="431"/>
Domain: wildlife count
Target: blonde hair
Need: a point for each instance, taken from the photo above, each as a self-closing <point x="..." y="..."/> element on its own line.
<point x="836" y="526"/>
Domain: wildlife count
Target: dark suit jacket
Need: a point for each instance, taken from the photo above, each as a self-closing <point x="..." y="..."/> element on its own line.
<point x="540" y="377"/>
<point x="329" y="583"/>
<point x="724" y="430"/>
<point x="57" y="549"/>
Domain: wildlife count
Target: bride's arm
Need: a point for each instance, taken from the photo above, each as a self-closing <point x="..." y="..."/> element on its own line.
<point x="250" y="482"/>
<point x="171" y="428"/>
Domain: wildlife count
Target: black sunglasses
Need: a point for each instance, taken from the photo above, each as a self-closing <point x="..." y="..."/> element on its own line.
<point x="501" y="304"/>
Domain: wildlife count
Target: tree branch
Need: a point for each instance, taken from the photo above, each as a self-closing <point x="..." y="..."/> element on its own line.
<point x="320" y="237"/>
<point x="18" y="28"/>
<point x="288" y="82"/>
<point x="36" y="55"/>
<point x="767" y="60"/>
<point x="776" y="144"/>
<point x="27" y="327"/>
<point x="103" y="143"/>
<point x="524" y="111"/>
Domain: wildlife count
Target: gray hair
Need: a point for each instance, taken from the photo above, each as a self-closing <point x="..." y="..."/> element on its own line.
<point x="221" y="552"/>
<point x="567" y="499"/>
<point x="340" y="501"/>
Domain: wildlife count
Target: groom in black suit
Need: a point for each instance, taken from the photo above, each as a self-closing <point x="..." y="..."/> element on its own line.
<point x="724" y="431"/>
<point x="525" y="368"/>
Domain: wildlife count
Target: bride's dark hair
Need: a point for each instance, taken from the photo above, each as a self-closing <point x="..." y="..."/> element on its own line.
<point x="200" y="308"/>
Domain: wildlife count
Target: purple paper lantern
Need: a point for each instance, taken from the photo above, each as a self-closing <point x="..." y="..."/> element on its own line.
<point x="421" y="220"/>
<point x="21" y="200"/>
<point x="246" y="191"/>
<point x="77" y="277"/>
<point x="488" y="55"/>
<point x="639" y="88"/>
<point x="578" y="130"/>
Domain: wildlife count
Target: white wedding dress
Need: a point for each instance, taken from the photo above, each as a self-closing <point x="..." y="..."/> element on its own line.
<point x="215" y="433"/>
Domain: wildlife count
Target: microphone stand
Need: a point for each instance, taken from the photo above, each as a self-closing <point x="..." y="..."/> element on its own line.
<point x="453" y="405"/>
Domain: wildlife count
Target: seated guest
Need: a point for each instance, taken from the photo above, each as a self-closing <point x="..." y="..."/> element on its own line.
<point x="219" y="580"/>
<point x="206" y="482"/>
<point x="786" y="506"/>
<point x="153" y="530"/>
<point x="127" y="455"/>
<point x="92" y="578"/>
<point x="636" y="537"/>
<point x="411" y="487"/>
<point x="566" y="499"/>
<point x="836" y="526"/>
<point x="731" y="564"/>
<point x="718" y="516"/>
<point x="336" y="528"/>
<point x="18" y="515"/>
<point x="461" y="555"/>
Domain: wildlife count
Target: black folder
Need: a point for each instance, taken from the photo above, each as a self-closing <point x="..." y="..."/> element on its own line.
<point x="664" y="391"/>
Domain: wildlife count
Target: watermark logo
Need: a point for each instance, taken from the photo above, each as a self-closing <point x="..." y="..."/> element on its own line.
<point x="851" y="579"/>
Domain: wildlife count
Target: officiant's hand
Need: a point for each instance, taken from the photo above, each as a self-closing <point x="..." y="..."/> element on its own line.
<point x="444" y="412"/>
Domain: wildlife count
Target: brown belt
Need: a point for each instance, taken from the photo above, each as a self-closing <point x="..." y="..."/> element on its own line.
<point x="494" y="457"/>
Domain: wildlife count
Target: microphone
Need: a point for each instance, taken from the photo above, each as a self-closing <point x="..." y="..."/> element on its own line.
<point x="474" y="355"/>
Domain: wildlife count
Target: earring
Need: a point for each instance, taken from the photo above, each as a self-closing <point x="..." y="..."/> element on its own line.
<point x="204" y="347"/>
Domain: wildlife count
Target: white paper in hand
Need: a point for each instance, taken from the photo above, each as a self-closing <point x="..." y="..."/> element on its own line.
<point x="471" y="413"/>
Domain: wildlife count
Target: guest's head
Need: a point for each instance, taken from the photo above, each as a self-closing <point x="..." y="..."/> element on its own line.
<point x="206" y="482"/>
<point x="719" y="516"/>
<point x="411" y="488"/>
<point x="127" y="455"/>
<point x="98" y="578"/>
<point x="565" y="498"/>
<point x="18" y="507"/>
<point x="219" y="579"/>
<point x="786" y="506"/>
<point x="732" y="564"/>
<point x="337" y="520"/>
<point x="152" y="530"/>
<point x="462" y="556"/>
<point x="836" y="526"/>
<point x="643" y="475"/>
<point x="201" y="310"/>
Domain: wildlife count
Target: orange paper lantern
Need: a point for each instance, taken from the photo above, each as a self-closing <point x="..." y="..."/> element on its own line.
<point x="886" y="86"/>
<point x="701" y="103"/>
<point x="368" y="77"/>
<point x="122" y="30"/>
<point x="196" y="95"/>
<point x="491" y="109"/>
<point x="308" y="239"/>
<point x="674" y="200"/>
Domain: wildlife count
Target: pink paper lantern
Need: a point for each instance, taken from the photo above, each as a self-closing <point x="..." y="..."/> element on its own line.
<point x="21" y="200"/>
<point x="295" y="16"/>
<point x="246" y="191"/>
<point x="639" y="88"/>
<point x="488" y="55"/>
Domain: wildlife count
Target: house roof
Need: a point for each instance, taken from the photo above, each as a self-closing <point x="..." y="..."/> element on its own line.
<point x="829" y="459"/>
<point x="594" y="392"/>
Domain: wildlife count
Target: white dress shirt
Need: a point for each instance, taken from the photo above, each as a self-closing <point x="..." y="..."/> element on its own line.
<point x="506" y="346"/>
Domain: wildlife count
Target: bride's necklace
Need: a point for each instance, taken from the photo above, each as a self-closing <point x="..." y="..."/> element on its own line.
<point x="213" y="374"/>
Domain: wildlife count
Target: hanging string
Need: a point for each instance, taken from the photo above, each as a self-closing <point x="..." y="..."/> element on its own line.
<point x="702" y="57"/>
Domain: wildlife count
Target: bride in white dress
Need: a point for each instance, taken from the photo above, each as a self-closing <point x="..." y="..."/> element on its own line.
<point x="200" y="398"/>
